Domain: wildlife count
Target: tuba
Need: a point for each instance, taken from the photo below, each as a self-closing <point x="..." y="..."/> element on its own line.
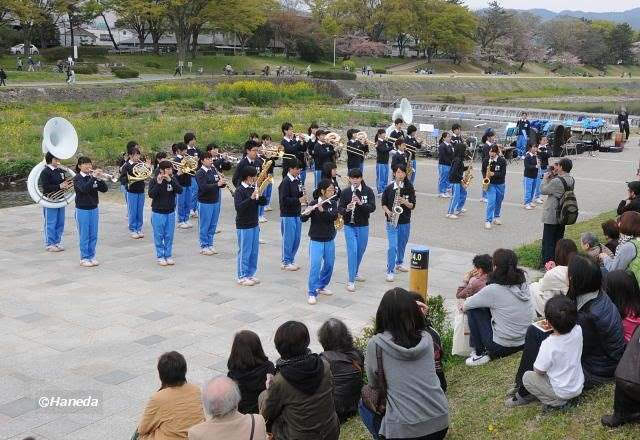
<point x="404" y="111"/>
<point x="60" y="139"/>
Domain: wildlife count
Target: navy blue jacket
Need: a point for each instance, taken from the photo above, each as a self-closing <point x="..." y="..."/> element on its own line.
<point x="498" y="167"/>
<point x="445" y="154"/>
<point x="530" y="166"/>
<point x="362" y="212"/>
<point x="400" y="158"/>
<point x="322" y="227"/>
<point x="127" y="170"/>
<point x="246" y="207"/>
<point x="322" y="153"/>
<point x="407" y="192"/>
<point x="87" y="188"/>
<point x="244" y="162"/>
<point x="183" y="179"/>
<point x="289" y="193"/>
<point x="383" y="148"/>
<point x="163" y="195"/>
<point x="354" y="160"/>
<point x="208" y="189"/>
<point x="51" y="179"/>
<point x="297" y="149"/>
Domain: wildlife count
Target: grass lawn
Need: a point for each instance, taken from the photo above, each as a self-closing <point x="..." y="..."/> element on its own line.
<point x="476" y="399"/>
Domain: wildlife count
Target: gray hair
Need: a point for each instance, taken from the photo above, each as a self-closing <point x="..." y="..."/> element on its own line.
<point x="220" y="396"/>
<point x="589" y="238"/>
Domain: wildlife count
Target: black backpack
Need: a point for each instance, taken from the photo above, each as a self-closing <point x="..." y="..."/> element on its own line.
<point x="567" y="213"/>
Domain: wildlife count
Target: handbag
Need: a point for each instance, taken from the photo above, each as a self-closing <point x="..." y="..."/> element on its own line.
<point x="628" y="370"/>
<point x="374" y="395"/>
<point x="461" y="332"/>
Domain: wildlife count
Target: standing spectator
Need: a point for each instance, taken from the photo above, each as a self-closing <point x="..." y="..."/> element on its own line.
<point x="553" y="186"/>
<point x="19" y="64"/>
<point x="3" y="77"/>
<point x="632" y="202"/>
<point x="30" y="64"/>
<point x="72" y="77"/>
<point x="627" y="250"/>
<point x="416" y="406"/>
<point x="346" y="365"/>
<point x="220" y="397"/>
<point x="250" y="368"/>
<point x="622" y="288"/>
<point x="611" y="232"/>
<point x="623" y="122"/>
<point x="554" y="281"/>
<point x="298" y="402"/>
<point x="522" y="130"/>
<point x="175" y="407"/>
<point x="178" y="70"/>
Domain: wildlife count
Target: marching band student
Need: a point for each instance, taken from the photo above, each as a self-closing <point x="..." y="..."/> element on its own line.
<point x="522" y="128"/>
<point x="322" y="154"/>
<point x="131" y="145"/>
<point x="184" y="198"/>
<point x="162" y="190"/>
<point x="291" y="192"/>
<point x="160" y="156"/>
<point x="251" y="159"/>
<point x="488" y="141"/>
<point x="135" y="194"/>
<point x="445" y="156"/>
<point x="383" y="148"/>
<point x="456" y="174"/>
<point x="322" y="233"/>
<point x="266" y="141"/>
<point x="312" y="131"/>
<point x="192" y="150"/>
<point x="398" y="235"/>
<point x="52" y="180"/>
<point x="355" y="160"/>
<point x="295" y="147"/>
<point x="357" y="202"/>
<point x="246" y="201"/>
<point x="87" y="183"/>
<point x="220" y="161"/>
<point x="400" y="155"/>
<point x="411" y="141"/>
<point x="530" y="176"/>
<point x="543" y="155"/>
<point x="456" y="138"/>
<point x="497" y="166"/>
<point x="330" y="171"/>
<point x="397" y="131"/>
<point x="209" y="184"/>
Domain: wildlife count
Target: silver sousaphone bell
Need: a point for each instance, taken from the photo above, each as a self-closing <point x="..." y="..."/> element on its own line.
<point x="404" y="111"/>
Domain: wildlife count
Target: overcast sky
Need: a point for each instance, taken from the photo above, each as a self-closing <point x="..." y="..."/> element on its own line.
<point x="555" y="5"/>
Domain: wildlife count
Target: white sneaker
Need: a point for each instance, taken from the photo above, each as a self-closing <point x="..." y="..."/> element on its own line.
<point x="539" y="201"/>
<point x="213" y="250"/>
<point x="290" y="267"/>
<point x="447" y="196"/>
<point x="51" y="248"/>
<point x="463" y="210"/>
<point x="487" y="225"/>
<point x="401" y="268"/>
<point x="453" y="216"/>
<point x="360" y="278"/>
<point x="240" y="280"/>
<point x="255" y="280"/>
<point x="262" y="219"/>
<point x="218" y="231"/>
<point x="268" y="208"/>
<point x="135" y="235"/>
<point x="497" y="221"/>
<point x="389" y="278"/>
<point x="188" y="225"/>
<point x="529" y="206"/>
<point x="484" y="200"/>
<point x="140" y="234"/>
<point x="206" y="251"/>
<point x="312" y="300"/>
<point x="248" y="282"/>
<point x="324" y="291"/>
<point x="95" y="262"/>
<point x="442" y="196"/>
<point x="351" y="287"/>
<point x="262" y="241"/>
<point x="184" y="225"/>
<point x="194" y="214"/>
<point x="86" y="263"/>
<point x="162" y="262"/>
<point x="170" y="261"/>
<point x="474" y="361"/>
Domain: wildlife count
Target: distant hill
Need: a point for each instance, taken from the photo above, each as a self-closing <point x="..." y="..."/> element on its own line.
<point x="632" y="16"/>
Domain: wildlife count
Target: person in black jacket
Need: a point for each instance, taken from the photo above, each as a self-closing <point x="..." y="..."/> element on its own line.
<point x="445" y="156"/>
<point x="310" y="145"/>
<point x="414" y="145"/>
<point x="193" y="151"/>
<point x="397" y="132"/>
<point x="246" y="201"/>
<point x="531" y="172"/>
<point x="209" y="183"/>
<point x="3" y="77"/>
<point x="383" y="148"/>
<point x="456" y="174"/>
<point x="330" y="171"/>
<point x="355" y="159"/>
<point x="250" y="159"/>
<point x="347" y="366"/>
<point x="543" y="155"/>
<point x="295" y="147"/>
<point x="162" y="191"/>
<point x="292" y="196"/>
<point x="488" y="140"/>
<point x="322" y="212"/>
<point x="497" y="166"/>
<point x="522" y="129"/>
<point x="266" y="142"/>
<point x="53" y="180"/>
<point x="184" y="198"/>
<point x="250" y="368"/>
<point x="323" y="153"/>
<point x="398" y="234"/>
<point x="87" y="182"/>
<point x="400" y="155"/>
<point x="357" y="202"/>
<point x="623" y="122"/>
<point x="632" y="202"/>
<point x="135" y="191"/>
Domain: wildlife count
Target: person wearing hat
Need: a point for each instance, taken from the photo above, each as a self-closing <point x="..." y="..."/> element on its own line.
<point x="631" y="203"/>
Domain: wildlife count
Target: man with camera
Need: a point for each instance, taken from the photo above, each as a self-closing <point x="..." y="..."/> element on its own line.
<point x="555" y="183"/>
<point x="632" y="202"/>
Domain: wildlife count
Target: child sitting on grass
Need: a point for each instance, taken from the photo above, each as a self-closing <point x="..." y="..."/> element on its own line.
<point x="557" y="375"/>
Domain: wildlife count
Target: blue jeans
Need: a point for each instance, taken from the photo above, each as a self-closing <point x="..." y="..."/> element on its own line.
<point x="248" y="246"/>
<point x="369" y="419"/>
<point x="536" y="190"/>
<point x="87" y="224"/>
<point x="495" y="195"/>
<point x="382" y="176"/>
<point x="521" y="144"/>
<point x="135" y="208"/>
<point x="322" y="255"/>
<point x="414" y="164"/>
<point x="443" y="178"/>
<point x="123" y="190"/>
<point x="356" y="238"/>
<point x="53" y="225"/>
<point x="164" y="225"/>
<point x="193" y="202"/>
<point x="208" y="214"/>
<point x="398" y="237"/>
<point x="458" y="198"/>
<point x="481" y="335"/>
<point x="317" y="175"/>
<point x="267" y="194"/>
<point x="291" y="229"/>
<point x="183" y="202"/>
<point x="529" y="184"/>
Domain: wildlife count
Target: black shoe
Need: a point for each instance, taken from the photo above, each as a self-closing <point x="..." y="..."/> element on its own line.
<point x="614" y="420"/>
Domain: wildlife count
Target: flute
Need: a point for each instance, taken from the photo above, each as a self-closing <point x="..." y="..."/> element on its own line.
<point x="311" y="208"/>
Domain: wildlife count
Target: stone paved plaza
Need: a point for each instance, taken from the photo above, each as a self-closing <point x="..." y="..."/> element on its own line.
<point x="99" y="331"/>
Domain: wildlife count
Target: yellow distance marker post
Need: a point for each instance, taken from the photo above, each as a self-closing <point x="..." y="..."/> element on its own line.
<point x="419" y="274"/>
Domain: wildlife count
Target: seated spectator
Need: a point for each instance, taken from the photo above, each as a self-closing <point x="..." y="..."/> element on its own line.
<point x="346" y="363"/>
<point x="557" y="374"/>
<point x="601" y="325"/>
<point x="610" y="231"/>
<point x="626" y="251"/>
<point x="622" y="288"/>
<point x="250" y="368"/>
<point x="554" y="281"/>
<point x="626" y="397"/>
<point x="437" y="341"/>
<point x="500" y="313"/>
<point x="592" y="246"/>
<point x="476" y="278"/>
<point x="175" y="407"/>
<point x="220" y="398"/>
<point x="298" y="402"/>
<point x="416" y="406"/>
<point x="632" y="202"/>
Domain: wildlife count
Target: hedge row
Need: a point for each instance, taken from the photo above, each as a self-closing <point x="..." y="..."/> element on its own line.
<point x="84" y="52"/>
<point x="330" y="74"/>
<point x="124" y="72"/>
<point x="85" y="68"/>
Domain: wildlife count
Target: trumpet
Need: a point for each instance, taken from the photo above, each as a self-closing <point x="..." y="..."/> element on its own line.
<point x="274" y="152"/>
<point x="101" y="175"/>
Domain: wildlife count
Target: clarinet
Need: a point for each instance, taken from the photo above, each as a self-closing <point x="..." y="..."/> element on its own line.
<point x="354" y="198"/>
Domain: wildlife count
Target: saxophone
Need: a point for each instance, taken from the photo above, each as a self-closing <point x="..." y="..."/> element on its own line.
<point x="410" y="169"/>
<point x="396" y="209"/>
<point x="487" y="177"/>
<point x="264" y="179"/>
<point x="467" y="177"/>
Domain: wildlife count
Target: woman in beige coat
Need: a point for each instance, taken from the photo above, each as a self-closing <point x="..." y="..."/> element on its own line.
<point x="555" y="280"/>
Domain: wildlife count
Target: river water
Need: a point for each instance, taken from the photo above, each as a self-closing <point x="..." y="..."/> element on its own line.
<point x="14" y="195"/>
